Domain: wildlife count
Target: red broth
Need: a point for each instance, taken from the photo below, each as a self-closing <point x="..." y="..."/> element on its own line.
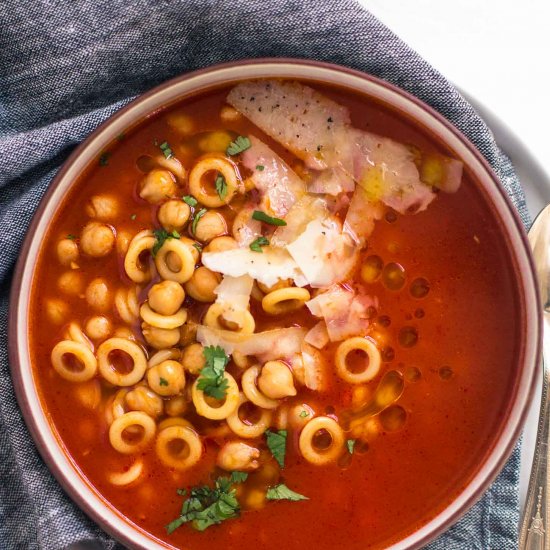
<point x="440" y="330"/>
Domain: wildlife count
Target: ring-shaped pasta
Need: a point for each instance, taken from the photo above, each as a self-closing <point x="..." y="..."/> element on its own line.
<point x="174" y="421"/>
<point x="321" y="456"/>
<point x="229" y="405"/>
<point x="185" y="256"/>
<point x="121" y="479"/>
<point x="82" y="353"/>
<point x="216" y="311"/>
<point x="213" y="164"/>
<point x="127" y="304"/>
<point x="245" y="429"/>
<point x="143" y="241"/>
<point x="360" y="344"/>
<point x="130" y="348"/>
<point x="131" y="420"/>
<point x="163" y="321"/>
<point x="251" y="391"/>
<point x="188" y="456"/>
<point x="285" y="300"/>
<point x="76" y="334"/>
<point x="172" y="164"/>
<point x="163" y="355"/>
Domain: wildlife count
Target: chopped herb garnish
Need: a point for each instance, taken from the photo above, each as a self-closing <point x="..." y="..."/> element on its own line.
<point x="121" y="136"/>
<point x="206" y="506"/>
<point x="197" y="247"/>
<point x="256" y="244"/>
<point x="241" y="143"/>
<point x="161" y="235"/>
<point x="260" y="168"/>
<point x="104" y="158"/>
<point x="276" y="441"/>
<point x="304" y="414"/>
<point x="196" y="219"/>
<point x="190" y="200"/>
<point x="133" y="216"/>
<point x="263" y="217"/>
<point x="163" y="381"/>
<point x="282" y="492"/>
<point x="221" y="186"/>
<point x="165" y="148"/>
<point x="350" y="444"/>
<point x="212" y="380"/>
<point x="71" y="237"/>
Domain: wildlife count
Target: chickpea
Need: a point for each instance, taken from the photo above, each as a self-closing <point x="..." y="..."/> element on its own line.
<point x="181" y="122"/>
<point x="98" y="294"/>
<point x="175" y="406"/>
<point x="67" y="251"/>
<point x="211" y="225"/>
<point x="166" y="297"/>
<point x="193" y="358"/>
<point x="229" y="114"/>
<point x="281" y="283"/>
<point x="71" y="282"/>
<point x="300" y="415"/>
<point x="102" y="207"/>
<point x="157" y="185"/>
<point x="174" y="214"/>
<point x="219" y="244"/>
<point x="202" y="284"/>
<point x="160" y="338"/>
<point x="238" y="455"/>
<point x="255" y="499"/>
<point x="97" y="239"/>
<point x="124" y="332"/>
<point x="188" y="333"/>
<point x="98" y="327"/>
<point x="166" y="378"/>
<point x="123" y="239"/>
<point x="56" y="310"/>
<point x="142" y="398"/>
<point x="276" y="380"/>
<point x="215" y="142"/>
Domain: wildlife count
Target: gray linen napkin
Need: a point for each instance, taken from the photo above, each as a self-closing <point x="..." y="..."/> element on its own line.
<point x="66" y="66"/>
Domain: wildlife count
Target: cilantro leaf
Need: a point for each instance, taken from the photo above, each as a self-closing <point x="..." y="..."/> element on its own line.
<point x="196" y="219"/>
<point x="238" y="477"/>
<point x="304" y="414"/>
<point x="207" y="506"/>
<point x="276" y="441"/>
<point x="161" y="235"/>
<point x="104" y="158"/>
<point x="350" y="444"/>
<point x="256" y="244"/>
<point x="263" y="217"/>
<point x="197" y="247"/>
<point x="163" y="381"/>
<point x="282" y="492"/>
<point x="212" y="380"/>
<point x="165" y="148"/>
<point x="260" y="167"/>
<point x="190" y="200"/>
<point x="221" y="186"/>
<point x="241" y="143"/>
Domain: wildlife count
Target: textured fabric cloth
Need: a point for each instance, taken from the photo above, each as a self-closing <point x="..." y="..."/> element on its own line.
<point x="66" y="66"/>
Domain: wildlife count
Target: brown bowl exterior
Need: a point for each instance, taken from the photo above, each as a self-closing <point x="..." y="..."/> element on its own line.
<point x="51" y="449"/>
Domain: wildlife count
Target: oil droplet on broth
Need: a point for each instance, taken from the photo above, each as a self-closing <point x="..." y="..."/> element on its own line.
<point x="390" y="216"/>
<point x="412" y="374"/>
<point x="393" y="276"/>
<point x="419" y="288"/>
<point x="419" y="313"/>
<point x="384" y="320"/>
<point x="408" y="337"/>
<point x="371" y="269"/>
<point x="393" y="418"/>
<point x="446" y="373"/>
<point x="388" y="354"/>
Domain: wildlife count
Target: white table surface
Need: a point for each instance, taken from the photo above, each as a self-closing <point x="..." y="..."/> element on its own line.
<point x="498" y="53"/>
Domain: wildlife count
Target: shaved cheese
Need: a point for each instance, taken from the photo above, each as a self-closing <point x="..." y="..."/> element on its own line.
<point x="361" y="215"/>
<point x="345" y="312"/>
<point x="279" y="186"/>
<point x="280" y="343"/>
<point x="246" y="229"/>
<point x="299" y="117"/>
<point x="323" y="253"/>
<point x="318" y="335"/>
<point x="268" y="267"/>
<point x="234" y="296"/>
<point x="332" y="181"/>
<point x="315" y="368"/>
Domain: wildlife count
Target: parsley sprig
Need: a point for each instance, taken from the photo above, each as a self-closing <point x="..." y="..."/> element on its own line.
<point x="350" y="444"/>
<point x="276" y="441"/>
<point x="206" y="506"/>
<point x="221" y="186"/>
<point x="212" y="380"/>
<point x="282" y="492"/>
<point x="198" y="215"/>
<point x="263" y="217"/>
<point x="190" y="200"/>
<point x="256" y="244"/>
<point x="165" y="148"/>
<point x="161" y="235"/>
<point x="241" y="143"/>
